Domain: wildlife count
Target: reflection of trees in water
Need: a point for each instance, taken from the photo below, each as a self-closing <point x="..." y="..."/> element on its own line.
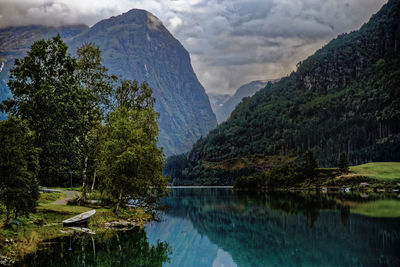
<point x="288" y="229"/>
<point x="124" y="248"/>
<point x="306" y="204"/>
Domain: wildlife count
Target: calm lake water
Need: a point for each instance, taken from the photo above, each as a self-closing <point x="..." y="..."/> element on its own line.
<point x="218" y="227"/>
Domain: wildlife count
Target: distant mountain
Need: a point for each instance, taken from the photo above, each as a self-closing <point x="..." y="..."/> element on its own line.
<point x="224" y="110"/>
<point x="344" y="98"/>
<point x="217" y="100"/>
<point x="136" y="45"/>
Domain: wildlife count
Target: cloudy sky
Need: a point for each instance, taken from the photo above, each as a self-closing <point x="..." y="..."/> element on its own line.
<point x="231" y="42"/>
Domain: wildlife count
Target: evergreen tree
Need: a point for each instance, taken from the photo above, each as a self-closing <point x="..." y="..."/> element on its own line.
<point x="309" y="164"/>
<point x="343" y="164"/>
<point x="19" y="168"/>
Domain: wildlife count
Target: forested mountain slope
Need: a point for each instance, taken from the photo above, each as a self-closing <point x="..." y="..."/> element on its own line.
<point x="134" y="45"/>
<point x="344" y="98"/>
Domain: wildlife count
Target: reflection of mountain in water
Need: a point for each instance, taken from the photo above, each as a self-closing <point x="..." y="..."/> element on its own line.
<point x="276" y="230"/>
<point x="181" y="235"/>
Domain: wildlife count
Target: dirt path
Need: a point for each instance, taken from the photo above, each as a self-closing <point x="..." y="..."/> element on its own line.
<point x="69" y="195"/>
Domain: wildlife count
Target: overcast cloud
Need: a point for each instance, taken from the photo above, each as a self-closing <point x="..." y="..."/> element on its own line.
<point x="231" y="42"/>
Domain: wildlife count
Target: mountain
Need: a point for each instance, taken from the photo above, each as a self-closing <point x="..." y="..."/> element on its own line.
<point x="136" y="45"/>
<point x="217" y="100"/>
<point x="224" y="110"/>
<point x="344" y="98"/>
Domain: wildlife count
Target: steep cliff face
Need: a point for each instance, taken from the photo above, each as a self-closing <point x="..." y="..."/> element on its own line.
<point x="136" y="45"/>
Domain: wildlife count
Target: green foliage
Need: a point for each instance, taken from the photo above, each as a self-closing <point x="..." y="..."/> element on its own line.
<point x="134" y="96"/>
<point x="47" y="95"/>
<point x="64" y="99"/>
<point x="131" y="161"/>
<point x="94" y="80"/>
<point x="19" y="167"/>
<point x="343" y="164"/>
<point x="174" y="166"/>
<point x="287" y="176"/>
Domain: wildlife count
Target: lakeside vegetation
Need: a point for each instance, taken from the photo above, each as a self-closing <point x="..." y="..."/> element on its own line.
<point x="307" y="175"/>
<point x="71" y="120"/>
<point x="22" y="236"/>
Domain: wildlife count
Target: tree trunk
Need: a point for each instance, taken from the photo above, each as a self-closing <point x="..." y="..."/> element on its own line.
<point x="84" y="170"/>
<point x="119" y="201"/>
<point x="84" y="178"/>
<point x="94" y="179"/>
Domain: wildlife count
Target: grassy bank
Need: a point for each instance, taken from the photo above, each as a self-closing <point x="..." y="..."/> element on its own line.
<point x="23" y="235"/>
<point x="385" y="171"/>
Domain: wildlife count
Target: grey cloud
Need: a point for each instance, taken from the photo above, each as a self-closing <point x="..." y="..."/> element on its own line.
<point x="231" y="42"/>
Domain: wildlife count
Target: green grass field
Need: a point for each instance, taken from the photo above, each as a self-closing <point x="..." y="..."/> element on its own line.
<point x="386" y="171"/>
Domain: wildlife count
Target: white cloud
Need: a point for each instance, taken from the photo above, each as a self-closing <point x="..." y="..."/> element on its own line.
<point x="231" y="41"/>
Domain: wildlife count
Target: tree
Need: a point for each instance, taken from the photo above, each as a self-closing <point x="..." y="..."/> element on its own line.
<point x="93" y="78"/>
<point x="47" y="95"/>
<point x="19" y="168"/>
<point x="132" y="163"/>
<point x="309" y="164"/>
<point x="343" y="164"/>
<point x="134" y="96"/>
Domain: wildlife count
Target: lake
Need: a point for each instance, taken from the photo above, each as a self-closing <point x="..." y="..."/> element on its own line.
<point x="219" y="227"/>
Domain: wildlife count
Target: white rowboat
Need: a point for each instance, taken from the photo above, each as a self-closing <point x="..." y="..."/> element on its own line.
<point x="79" y="219"/>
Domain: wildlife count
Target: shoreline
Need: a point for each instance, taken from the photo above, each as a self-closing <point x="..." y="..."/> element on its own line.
<point x="23" y="236"/>
<point x="199" y="186"/>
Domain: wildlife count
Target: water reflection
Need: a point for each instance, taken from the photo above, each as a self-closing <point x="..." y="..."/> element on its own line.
<point x="129" y="248"/>
<point x="216" y="227"/>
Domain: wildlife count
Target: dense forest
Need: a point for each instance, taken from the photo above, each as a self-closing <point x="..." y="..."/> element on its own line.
<point x="344" y="98"/>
